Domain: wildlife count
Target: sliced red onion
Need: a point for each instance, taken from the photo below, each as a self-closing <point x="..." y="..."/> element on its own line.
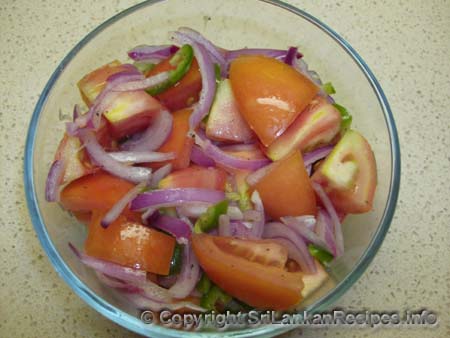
<point x="291" y="55"/>
<point x="111" y="269"/>
<point x="101" y="157"/>
<point x="300" y="228"/>
<point x="188" y="276"/>
<point x="167" y="281"/>
<point x="198" y="157"/>
<point x="174" y="226"/>
<point x="227" y="160"/>
<point x="150" y="215"/>
<point x="141" y="156"/>
<point x="208" y="86"/>
<point x="176" y="197"/>
<point x="95" y="112"/>
<point x="234" y="213"/>
<point x="188" y="35"/>
<point x="93" y="116"/>
<point x="308" y="221"/>
<point x="116" y="283"/>
<point x="273" y="53"/>
<point x="54" y="179"/>
<point x="159" y="174"/>
<point x="302" y="67"/>
<point x="154" y="136"/>
<point x="241" y="229"/>
<point x="76" y="112"/>
<point x="143" y="303"/>
<point x="324" y="230"/>
<point x="339" y="238"/>
<point x="252" y="216"/>
<point x="224" y="228"/>
<point x="257" y="175"/>
<point x="155" y="292"/>
<point x="279" y="230"/>
<point x="316" y="155"/>
<point x="251" y="147"/>
<point x="144" y="52"/>
<point x="121" y="204"/>
<point x="193" y="210"/>
<point x="309" y="169"/>
<point x="258" y="225"/>
<point x="142" y="84"/>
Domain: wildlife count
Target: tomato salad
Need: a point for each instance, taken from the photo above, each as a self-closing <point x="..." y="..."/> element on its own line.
<point x="211" y="179"/>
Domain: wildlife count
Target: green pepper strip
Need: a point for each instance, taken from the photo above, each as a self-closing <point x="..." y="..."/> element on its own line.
<point x="322" y="255"/>
<point x="181" y="60"/>
<point x="345" y="116"/>
<point x="204" y="284"/>
<point x="214" y="295"/>
<point x="217" y="72"/>
<point x="177" y="259"/>
<point x="328" y="88"/>
<point x="209" y="220"/>
<point x="143" y="66"/>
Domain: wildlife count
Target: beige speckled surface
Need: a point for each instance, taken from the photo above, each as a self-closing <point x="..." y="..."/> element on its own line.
<point x="406" y="44"/>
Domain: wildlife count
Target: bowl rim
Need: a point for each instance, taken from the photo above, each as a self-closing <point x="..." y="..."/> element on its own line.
<point x="133" y="323"/>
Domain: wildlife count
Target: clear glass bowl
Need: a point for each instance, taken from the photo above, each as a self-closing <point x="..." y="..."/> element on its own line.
<point x="232" y="24"/>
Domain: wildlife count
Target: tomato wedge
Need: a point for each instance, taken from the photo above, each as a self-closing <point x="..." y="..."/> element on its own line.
<point x="195" y="177"/>
<point x="269" y="94"/>
<point x="131" y="244"/>
<point x="95" y="191"/>
<point x="185" y="92"/>
<point x="349" y="174"/>
<point x="93" y="83"/>
<point x="76" y="163"/>
<point x="286" y="190"/>
<point x="178" y="142"/>
<point x="249" y="270"/>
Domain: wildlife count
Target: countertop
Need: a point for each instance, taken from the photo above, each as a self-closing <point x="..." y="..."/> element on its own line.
<point x="407" y="46"/>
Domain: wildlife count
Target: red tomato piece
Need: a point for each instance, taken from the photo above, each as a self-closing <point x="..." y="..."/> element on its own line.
<point x="129" y="112"/>
<point x="225" y="122"/>
<point x="286" y="190"/>
<point x="75" y="161"/>
<point x="185" y="92"/>
<point x="93" y="83"/>
<point x="195" y="177"/>
<point x="269" y="94"/>
<point x="249" y="270"/>
<point x="316" y="126"/>
<point x="130" y="244"/>
<point x="178" y="142"/>
<point x="98" y="191"/>
<point x="349" y="174"/>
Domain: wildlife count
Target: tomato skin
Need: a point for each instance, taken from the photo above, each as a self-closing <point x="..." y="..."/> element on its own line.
<point x="257" y="284"/>
<point x="76" y="163"/>
<point x="225" y="122"/>
<point x="269" y="94"/>
<point x="185" y="92"/>
<point x="98" y="191"/>
<point x="195" y="177"/>
<point x="286" y="189"/>
<point x="93" y="83"/>
<point x="178" y="142"/>
<point x="130" y="244"/>
<point x="129" y="112"/>
<point x="349" y="175"/>
<point x="316" y="126"/>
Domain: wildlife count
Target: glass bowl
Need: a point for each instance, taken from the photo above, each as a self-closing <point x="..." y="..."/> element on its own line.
<point x="232" y="24"/>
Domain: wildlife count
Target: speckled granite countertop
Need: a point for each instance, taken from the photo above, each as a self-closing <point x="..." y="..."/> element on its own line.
<point x="407" y="45"/>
